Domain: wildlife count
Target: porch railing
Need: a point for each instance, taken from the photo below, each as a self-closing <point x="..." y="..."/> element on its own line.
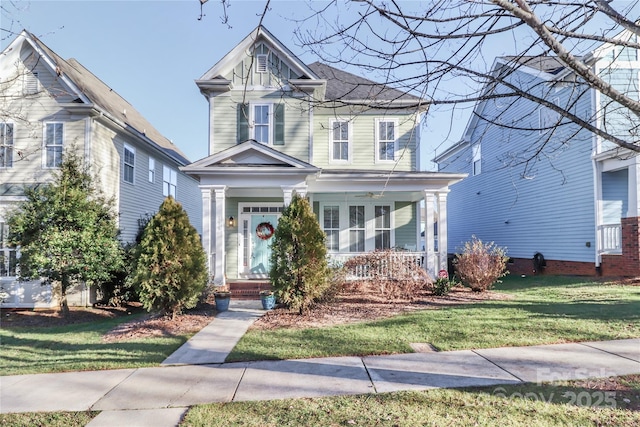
<point x="369" y="272"/>
<point x="610" y="238"/>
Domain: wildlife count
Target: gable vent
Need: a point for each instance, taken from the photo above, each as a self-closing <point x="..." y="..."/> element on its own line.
<point x="261" y="65"/>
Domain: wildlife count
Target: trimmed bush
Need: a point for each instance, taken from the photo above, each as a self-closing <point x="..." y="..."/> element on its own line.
<point x="480" y="265"/>
<point x="299" y="272"/>
<point x="171" y="269"/>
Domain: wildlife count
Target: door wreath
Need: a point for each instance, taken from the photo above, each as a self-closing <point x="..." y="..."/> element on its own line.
<point x="264" y="230"/>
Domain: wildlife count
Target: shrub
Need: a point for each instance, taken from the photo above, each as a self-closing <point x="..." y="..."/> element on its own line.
<point x="386" y="273"/>
<point x="171" y="268"/>
<point x="443" y="285"/>
<point x="299" y="272"/>
<point x="481" y="264"/>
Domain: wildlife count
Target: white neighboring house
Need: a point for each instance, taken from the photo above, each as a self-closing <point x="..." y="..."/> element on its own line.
<point x="49" y="105"/>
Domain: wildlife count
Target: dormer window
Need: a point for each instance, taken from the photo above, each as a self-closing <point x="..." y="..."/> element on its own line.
<point x="261" y="64"/>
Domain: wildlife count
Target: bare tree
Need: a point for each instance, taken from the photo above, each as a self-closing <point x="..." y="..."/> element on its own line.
<point x="422" y="47"/>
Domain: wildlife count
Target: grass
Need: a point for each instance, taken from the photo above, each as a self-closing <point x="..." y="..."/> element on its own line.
<point x="517" y="405"/>
<point x="543" y="310"/>
<point x="49" y="419"/>
<point x="78" y="347"/>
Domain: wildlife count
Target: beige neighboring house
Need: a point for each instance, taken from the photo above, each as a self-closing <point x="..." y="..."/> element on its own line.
<point x="49" y="105"/>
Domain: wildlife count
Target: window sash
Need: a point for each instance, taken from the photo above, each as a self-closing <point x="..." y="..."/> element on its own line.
<point x="152" y="169"/>
<point x="356" y="228"/>
<point x="386" y="140"/>
<point x="340" y="140"/>
<point x="262" y="123"/>
<point x="477" y="159"/>
<point x="53" y="144"/>
<point x="382" y="227"/>
<point x="169" y="181"/>
<point x="8" y="256"/>
<point x="6" y="145"/>
<point x="331" y="223"/>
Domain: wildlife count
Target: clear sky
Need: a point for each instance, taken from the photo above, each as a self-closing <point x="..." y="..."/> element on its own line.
<point x="150" y="52"/>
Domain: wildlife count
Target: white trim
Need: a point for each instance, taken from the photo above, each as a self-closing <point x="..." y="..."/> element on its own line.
<point x="10" y="146"/>
<point x="152" y="169"/>
<point x="349" y="141"/>
<point x="172" y="181"/>
<point x="477" y="157"/>
<point x="377" y="122"/>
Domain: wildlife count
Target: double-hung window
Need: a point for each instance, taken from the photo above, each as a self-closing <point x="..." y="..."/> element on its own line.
<point x="6" y="145"/>
<point x="262" y="123"/>
<point x="129" y="164"/>
<point x="169" y="181"/>
<point x="331" y="227"/>
<point x="339" y="146"/>
<point x="54" y="137"/>
<point x="356" y="229"/>
<point x="386" y="140"/>
<point x="382" y="226"/>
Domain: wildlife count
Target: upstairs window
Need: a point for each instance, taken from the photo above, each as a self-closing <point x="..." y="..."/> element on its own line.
<point x="169" y="181"/>
<point x="386" y="140"/>
<point x="129" y="164"/>
<point x="477" y="159"/>
<point x="263" y="122"/>
<point x="339" y="146"/>
<point x="6" y="145"/>
<point x="152" y="169"/>
<point x="53" y="140"/>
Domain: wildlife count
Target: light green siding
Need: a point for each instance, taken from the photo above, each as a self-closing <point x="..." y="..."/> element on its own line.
<point x="405" y="224"/>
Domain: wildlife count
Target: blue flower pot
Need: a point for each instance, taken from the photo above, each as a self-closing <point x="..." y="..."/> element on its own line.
<point x="222" y="302"/>
<point x="268" y="301"/>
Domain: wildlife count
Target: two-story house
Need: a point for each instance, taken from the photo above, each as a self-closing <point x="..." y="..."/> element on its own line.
<point x="50" y="105"/>
<point x="279" y="126"/>
<point x="540" y="184"/>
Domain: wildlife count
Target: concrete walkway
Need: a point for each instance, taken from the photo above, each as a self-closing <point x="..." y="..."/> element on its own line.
<point x="160" y="396"/>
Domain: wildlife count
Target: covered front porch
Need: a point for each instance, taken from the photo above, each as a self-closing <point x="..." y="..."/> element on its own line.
<point x="244" y="193"/>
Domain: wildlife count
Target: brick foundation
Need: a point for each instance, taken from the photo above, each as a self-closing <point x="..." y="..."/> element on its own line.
<point x="626" y="264"/>
<point x="554" y="267"/>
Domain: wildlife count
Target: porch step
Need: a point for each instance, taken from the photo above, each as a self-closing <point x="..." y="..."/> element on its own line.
<point x="248" y="289"/>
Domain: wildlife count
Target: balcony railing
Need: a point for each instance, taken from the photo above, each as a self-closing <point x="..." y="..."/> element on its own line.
<point x="610" y="238"/>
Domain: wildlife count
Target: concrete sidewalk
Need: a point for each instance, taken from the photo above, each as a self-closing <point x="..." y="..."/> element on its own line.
<point x="160" y="396"/>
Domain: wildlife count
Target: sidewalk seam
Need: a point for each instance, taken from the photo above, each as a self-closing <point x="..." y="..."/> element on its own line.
<point x="112" y="388"/>
<point x="244" y="371"/>
<point x="608" y="352"/>
<point x="373" y="384"/>
<point x="498" y="366"/>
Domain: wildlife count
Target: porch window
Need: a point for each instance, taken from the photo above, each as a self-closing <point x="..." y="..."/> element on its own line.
<point x="6" y="145"/>
<point x="8" y="256"/>
<point x="356" y="229"/>
<point x="169" y="181"/>
<point x="385" y="139"/>
<point x="53" y="144"/>
<point x="339" y="144"/>
<point x="382" y="226"/>
<point x="129" y="163"/>
<point x="331" y="226"/>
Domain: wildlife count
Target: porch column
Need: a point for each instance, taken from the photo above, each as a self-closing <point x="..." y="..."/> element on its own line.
<point x="288" y="195"/>
<point x="220" y="220"/>
<point x="429" y="254"/>
<point x="206" y="226"/>
<point x="442" y="231"/>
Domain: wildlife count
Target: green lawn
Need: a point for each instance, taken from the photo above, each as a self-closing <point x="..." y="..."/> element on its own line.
<point x="517" y="405"/>
<point x="543" y="310"/>
<point x="78" y="347"/>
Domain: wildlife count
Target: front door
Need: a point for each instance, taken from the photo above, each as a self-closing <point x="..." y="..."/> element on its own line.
<point x="256" y="236"/>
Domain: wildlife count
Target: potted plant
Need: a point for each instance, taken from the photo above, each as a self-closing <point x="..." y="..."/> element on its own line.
<point x="268" y="299"/>
<point x="222" y="296"/>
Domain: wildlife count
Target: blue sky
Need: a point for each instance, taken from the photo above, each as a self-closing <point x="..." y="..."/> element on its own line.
<point x="150" y="52"/>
